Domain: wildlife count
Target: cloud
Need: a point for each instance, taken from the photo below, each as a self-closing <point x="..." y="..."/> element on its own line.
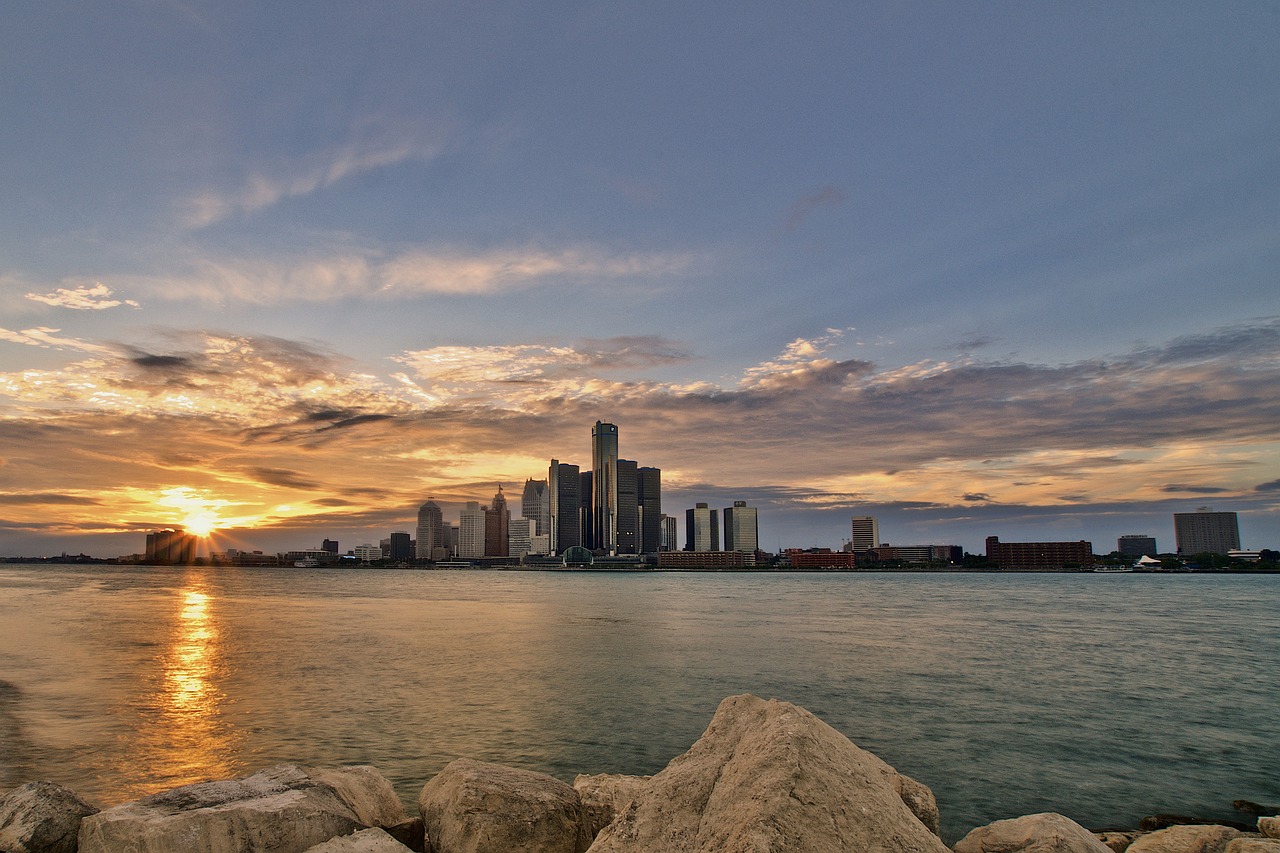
<point x="47" y="498"/>
<point x="976" y="497"/>
<point x="44" y="336"/>
<point x="321" y="170"/>
<point x="1195" y="490"/>
<point x="1272" y="486"/>
<point x="95" y="298"/>
<point x="828" y="196"/>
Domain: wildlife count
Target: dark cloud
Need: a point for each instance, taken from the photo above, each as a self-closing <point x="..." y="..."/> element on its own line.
<point x="51" y="498"/>
<point x="1258" y="339"/>
<point x="358" y="420"/>
<point x="975" y="497"/>
<point x="282" y="477"/>
<point x="165" y="363"/>
<point x="1194" y="490"/>
<point x="1272" y="486"/>
<point x="974" y="343"/>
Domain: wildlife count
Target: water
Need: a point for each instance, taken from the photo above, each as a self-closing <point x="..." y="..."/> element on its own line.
<point x="1103" y="697"/>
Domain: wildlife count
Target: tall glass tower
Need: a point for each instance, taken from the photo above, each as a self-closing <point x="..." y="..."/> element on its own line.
<point x="604" y="486"/>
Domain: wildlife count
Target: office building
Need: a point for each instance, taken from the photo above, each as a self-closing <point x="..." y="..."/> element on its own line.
<point x="865" y="533"/>
<point x="520" y="536"/>
<point x="564" y="500"/>
<point x="171" y="547"/>
<point x="604" y="487"/>
<point x="1206" y="532"/>
<point x="330" y="545"/>
<point x="701" y="528"/>
<point x="1039" y="555"/>
<point x="431" y="535"/>
<point x="628" y="521"/>
<point x="741" y="529"/>
<point x="535" y="505"/>
<point x="1136" y="545"/>
<point x="367" y="553"/>
<point x="496" y="521"/>
<point x="401" y="546"/>
<point x="471" y="530"/>
<point x="668" y="533"/>
<point x="649" y="498"/>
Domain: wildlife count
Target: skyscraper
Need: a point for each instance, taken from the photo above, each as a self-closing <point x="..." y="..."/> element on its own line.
<point x="401" y="547"/>
<point x="535" y="505"/>
<point x="1206" y="531"/>
<point x="741" y="529"/>
<point x="520" y="536"/>
<point x="866" y="534"/>
<point x="564" y="500"/>
<point x="471" y="530"/>
<point x="1136" y="545"/>
<point x="604" y="486"/>
<point x="649" y="496"/>
<point x="701" y="528"/>
<point x="496" y="521"/>
<point x="431" y="532"/>
<point x="628" y="522"/>
<point x="668" y="533"/>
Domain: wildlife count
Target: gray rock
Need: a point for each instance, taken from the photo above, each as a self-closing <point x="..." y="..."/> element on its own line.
<point x="41" y="816"/>
<point x="1118" y="841"/>
<point x="605" y="794"/>
<point x="1269" y="826"/>
<point x="1188" y="838"/>
<point x="766" y="777"/>
<point x="365" y="841"/>
<point x="475" y="807"/>
<point x="283" y="809"/>
<point x="1046" y="832"/>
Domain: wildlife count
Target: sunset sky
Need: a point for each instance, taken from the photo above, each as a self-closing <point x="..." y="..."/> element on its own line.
<point x="288" y="269"/>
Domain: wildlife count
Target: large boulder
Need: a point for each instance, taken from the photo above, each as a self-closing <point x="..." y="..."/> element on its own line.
<point x="1037" y="833"/>
<point x="283" y="809"/>
<point x="604" y="795"/>
<point x="769" y="776"/>
<point x="1269" y="826"/>
<point x="1253" y="844"/>
<point x="1188" y="838"/>
<point x="1119" y="840"/>
<point x="476" y="807"/>
<point x="41" y="816"/>
<point x="365" y="841"/>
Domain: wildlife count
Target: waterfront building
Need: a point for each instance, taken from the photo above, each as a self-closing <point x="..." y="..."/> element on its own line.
<point x="668" y="542"/>
<point x="649" y="497"/>
<point x="741" y="529"/>
<point x="1206" y="531"/>
<point x="539" y="544"/>
<point x="627" y="537"/>
<point x="432" y="544"/>
<point x="820" y="558"/>
<point x="701" y="528"/>
<point x="496" y="521"/>
<point x="1135" y="545"/>
<point x="1039" y="555"/>
<point x="367" y="553"/>
<point x="535" y="504"/>
<point x="604" y="487"/>
<point x="564" y="500"/>
<point x="401" y="546"/>
<point x="471" y="530"/>
<point x="330" y="545"/>
<point x="865" y="533"/>
<point x="919" y="553"/>
<point x="174" y="546"/>
<point x="520" y="536"/>
<point x="705" y="559"/>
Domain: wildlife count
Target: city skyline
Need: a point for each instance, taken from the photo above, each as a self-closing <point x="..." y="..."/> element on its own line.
<point x="1005" y="270"/>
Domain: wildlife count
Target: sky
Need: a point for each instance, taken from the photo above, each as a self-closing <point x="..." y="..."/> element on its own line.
<point x="289" y="269"/>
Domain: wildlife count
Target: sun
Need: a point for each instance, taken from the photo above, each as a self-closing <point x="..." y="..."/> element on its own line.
<point x="198" y="512"/>
<point x="201" y="523"/>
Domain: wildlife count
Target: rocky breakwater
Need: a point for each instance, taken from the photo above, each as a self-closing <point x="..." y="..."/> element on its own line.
<point x="765" y="777"/>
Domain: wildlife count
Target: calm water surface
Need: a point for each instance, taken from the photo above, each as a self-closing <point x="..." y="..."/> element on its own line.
<point x="1103" y="697"/>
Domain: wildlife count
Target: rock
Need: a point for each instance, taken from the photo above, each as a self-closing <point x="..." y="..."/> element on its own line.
<point x="1119" y="840"/>
<point x="1269" y="826"/>
<point x="283" y="809"/>
<point x="1037" y="833"/>
<point x="41" y="816"/>
<point x="919" y="798"/>
<point x="1151" y="823"/>
<point x="604" y="795"/>
<point x="1253" y="844"/>
<point x="766" y="777"/>
<point x="409" y="833"/>
<point x="1250" y="807"/>
<point x="474" y="807"/>
<point x="365" y="841"/>
<point x="1186" y="838"/>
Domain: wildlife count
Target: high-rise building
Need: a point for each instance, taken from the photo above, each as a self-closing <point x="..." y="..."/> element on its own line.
<point x="330" y="545"/>
<point x="431" y="537"/>
<point x="171" y="547"/>
<point x="604" y="486"/>
<point x="741" y="529"/>
<point x="668" y="542"/>
<point x="649" y="497"/>
<point x="471" y="530"/>
<point x="496" y="521"/>
<point x="1136" y="545"/>
<point x="401" y="546"/>
<point x="520" y="536"/>
<point x="535" y="504"/>
<point x="1205" y="531"/>
<point x="586" y="517"/>
<point x="564" y="499"/>
<point x="701" y="528"/>
<point x="866" y="533"/>
<point x="628" y="521"/>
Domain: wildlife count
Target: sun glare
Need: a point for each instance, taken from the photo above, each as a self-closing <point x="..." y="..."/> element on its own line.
<point x="199" y="513"/>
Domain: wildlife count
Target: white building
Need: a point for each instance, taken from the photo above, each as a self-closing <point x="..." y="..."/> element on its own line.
<point x="471" y="531"/>
<point x="520" y="535"/>
<point x="367" y="553"/>
<point x="741" y="528"/>
<point x="866" y="534"/>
